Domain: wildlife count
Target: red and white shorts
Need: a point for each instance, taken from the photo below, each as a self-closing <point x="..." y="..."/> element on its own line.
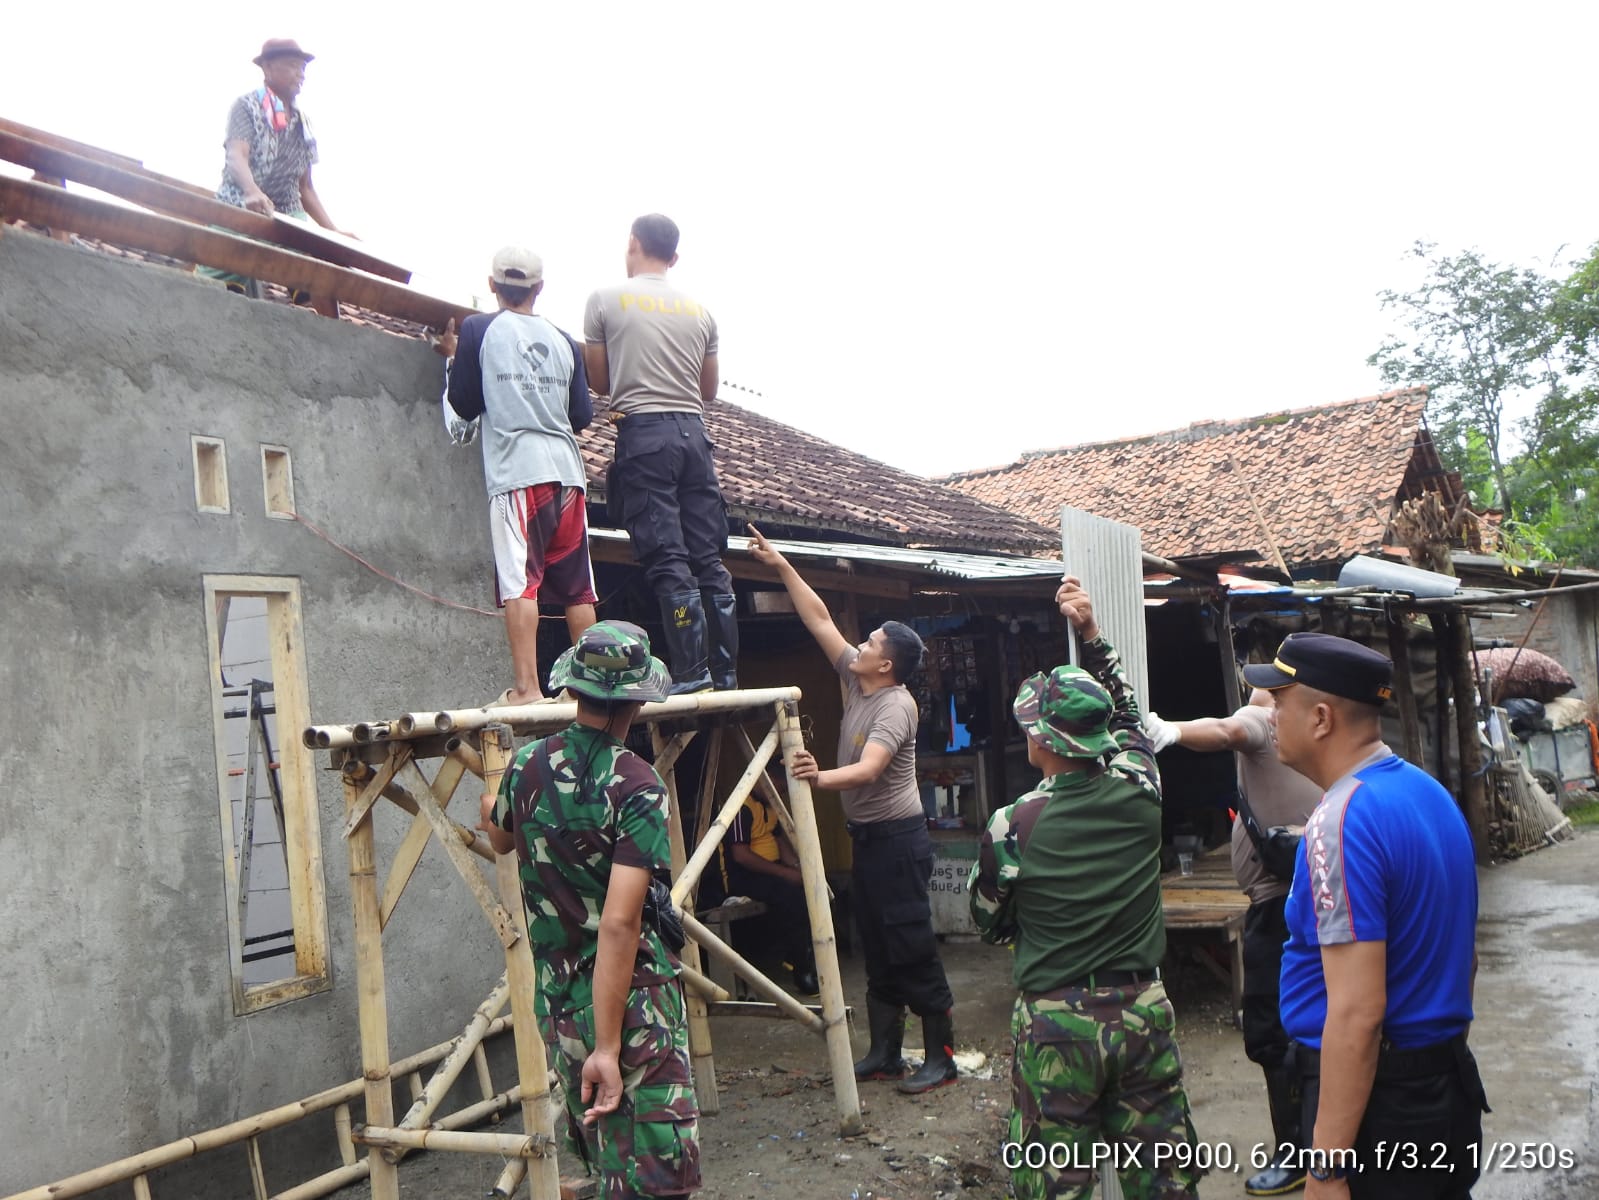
<point x="541" y="545"/>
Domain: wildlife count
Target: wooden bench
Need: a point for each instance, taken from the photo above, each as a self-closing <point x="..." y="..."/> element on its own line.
<point x="719" y="921"/>
<point x="1210" y="900"/>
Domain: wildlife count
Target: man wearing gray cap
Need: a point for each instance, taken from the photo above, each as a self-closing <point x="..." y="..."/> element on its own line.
<point x="1381" y="957"/>
<point x="525" y="378"/>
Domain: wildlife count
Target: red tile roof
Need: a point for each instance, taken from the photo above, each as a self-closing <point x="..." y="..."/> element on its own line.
<point x="776" y="473"/>
<point x="1324" y="479"/>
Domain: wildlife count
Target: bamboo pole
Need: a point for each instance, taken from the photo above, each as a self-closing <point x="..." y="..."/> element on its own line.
<point x="511" y="1178"/>
<point x="702" y="1054"/>
<point x="525" y="718"/>
<point x="770" y="794"/>
<point x="445" y="780"/>
<point x="449" y="1070"/>
<point x="538" y="1117"/>
<point x="373" y="788"/>
<point x="717" y="948"/>
<point x="134" y="1165"/>
<point x="667" y="750"/>
<point x="341" y="1130"/>
<point x="521" y="1145"/>
<point x="372" y="999"/>
<point x="252" y="1150"/>
<point x="708" y="988"/>
<point x="691" y="871"/>
<point x="814" y="872"/>
<point x="141" y="1187"/>
<point x="480" y="1063"/>
<point x="506" y="927"/>
<point x="466" y="754"/>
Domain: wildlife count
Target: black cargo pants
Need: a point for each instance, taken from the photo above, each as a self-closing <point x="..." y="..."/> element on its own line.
<point x="662" y="489"/>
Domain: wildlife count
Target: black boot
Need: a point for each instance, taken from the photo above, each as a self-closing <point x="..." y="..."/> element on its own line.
<point x="883" y="1060"/>
<point x="1280" y="1177"/>
<point x="683" y="617"/>
<point x="938" y="1035"/>
<point x="721" y="615"/>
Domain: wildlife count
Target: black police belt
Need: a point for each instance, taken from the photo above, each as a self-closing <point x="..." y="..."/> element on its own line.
<point x="870" y="831"/>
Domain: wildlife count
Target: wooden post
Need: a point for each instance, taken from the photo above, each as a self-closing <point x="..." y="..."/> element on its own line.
<point x="371" y="994"/>
<point x="1473" y="789"/>
<point x="532" y="1067"/>
<point x="846" y="1098"/>
<point x="1404" y="685"/>
<point x="1443" y="655"/>
<point x="1222" y="622"/>
<point x="700" y="1051"/>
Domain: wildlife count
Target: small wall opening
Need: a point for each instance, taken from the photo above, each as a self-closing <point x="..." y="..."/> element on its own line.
<point x="210" y="474"/>
<point x="277" y="477"/>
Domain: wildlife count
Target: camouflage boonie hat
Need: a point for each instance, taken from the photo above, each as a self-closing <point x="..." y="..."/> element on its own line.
<point x="611" y="661"/>
<point x="1067" y="711"/>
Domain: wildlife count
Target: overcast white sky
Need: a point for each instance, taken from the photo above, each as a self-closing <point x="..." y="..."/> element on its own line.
<point x="937" y="235"/>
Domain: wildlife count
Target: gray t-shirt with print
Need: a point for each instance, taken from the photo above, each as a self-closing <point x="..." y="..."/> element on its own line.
<point x="889" y="718"/>
<point x="656" y="341"/>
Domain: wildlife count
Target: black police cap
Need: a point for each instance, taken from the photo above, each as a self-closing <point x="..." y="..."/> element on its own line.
<point x="1329" y="664"/>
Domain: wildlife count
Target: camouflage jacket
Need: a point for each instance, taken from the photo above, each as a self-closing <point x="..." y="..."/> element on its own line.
<point x="991" y="886"/>
<point x="604" y="805"/>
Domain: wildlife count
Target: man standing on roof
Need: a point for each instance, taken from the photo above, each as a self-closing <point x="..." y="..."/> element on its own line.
<point x="1276" y="803"/>
<point x="1382" y="925"/>
<point x="525" y="378"/>
<point x="1069" y="876"/>
<point x="269" y="144"/>
<point x="587" y="818"/>
<point x="270" y="149"/>
<point x="653" y="350"/>
<point x="893" y="856"/>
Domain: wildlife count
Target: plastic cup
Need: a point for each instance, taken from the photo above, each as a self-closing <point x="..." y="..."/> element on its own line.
<point x="1185" y="863"/>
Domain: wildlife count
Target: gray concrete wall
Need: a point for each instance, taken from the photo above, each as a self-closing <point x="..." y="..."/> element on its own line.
<point x="119" y="1031"/>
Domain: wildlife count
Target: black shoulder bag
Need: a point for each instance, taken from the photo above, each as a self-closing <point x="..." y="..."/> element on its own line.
<point x="659" y="913"/>
<point x="1277" y="847"/>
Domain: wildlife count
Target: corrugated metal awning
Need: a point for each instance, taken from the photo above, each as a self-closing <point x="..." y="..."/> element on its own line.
<point x="979" y="567"/>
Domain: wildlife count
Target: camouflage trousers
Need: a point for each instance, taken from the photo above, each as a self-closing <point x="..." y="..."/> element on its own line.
<point x="1097" y="1084"/>
<point x="650" y="1145"/>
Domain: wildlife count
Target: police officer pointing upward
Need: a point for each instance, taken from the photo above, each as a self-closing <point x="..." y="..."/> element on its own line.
<point x="1378" y="970"/>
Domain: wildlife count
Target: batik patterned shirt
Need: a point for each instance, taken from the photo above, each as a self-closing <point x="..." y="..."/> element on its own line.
<point x="601" y="805"/>
<point x="279" y="158"/>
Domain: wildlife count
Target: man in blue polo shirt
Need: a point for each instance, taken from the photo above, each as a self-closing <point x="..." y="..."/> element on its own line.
<point x="1381" y="956"/>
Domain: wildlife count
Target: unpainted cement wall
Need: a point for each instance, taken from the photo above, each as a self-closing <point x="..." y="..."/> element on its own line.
<point x="119" y="1031"/>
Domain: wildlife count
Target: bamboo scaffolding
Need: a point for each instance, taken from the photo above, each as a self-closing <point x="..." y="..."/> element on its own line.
<point x="702" y="1056"/>
<point x="713" y="992"/>
<point x="529" y="718"/>
<point x="538" y="1115"/>
<point x="338" y="1098"/>
<point x="449" y="1070"/>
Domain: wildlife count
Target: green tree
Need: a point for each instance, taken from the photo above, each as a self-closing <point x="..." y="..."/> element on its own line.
<point x="1482" y="335"/>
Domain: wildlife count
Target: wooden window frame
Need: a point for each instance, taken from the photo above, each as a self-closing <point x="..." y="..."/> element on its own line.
<point x="198" y="443"/>
<point x="268" y="452"/>
<point x="303" y="844"/>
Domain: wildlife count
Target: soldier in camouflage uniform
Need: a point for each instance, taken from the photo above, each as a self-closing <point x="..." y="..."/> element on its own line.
<point x="1096" y="1061"/>
<point x="587" y="818"/>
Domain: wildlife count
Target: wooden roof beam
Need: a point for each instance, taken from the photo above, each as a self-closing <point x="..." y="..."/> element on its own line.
<point x="42" y="204"/>
<point x="166" y="197"/>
